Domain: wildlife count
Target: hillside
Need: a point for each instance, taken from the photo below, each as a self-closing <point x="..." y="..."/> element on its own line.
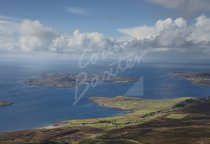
<point x="187" y="121"/>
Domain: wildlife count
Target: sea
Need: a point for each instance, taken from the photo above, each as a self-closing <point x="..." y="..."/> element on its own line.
<point x="41" y="106"/>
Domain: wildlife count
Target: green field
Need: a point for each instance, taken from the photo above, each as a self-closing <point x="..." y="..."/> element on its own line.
<point x="139" y="111"/>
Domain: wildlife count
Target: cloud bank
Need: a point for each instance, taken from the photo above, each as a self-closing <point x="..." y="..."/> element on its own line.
<point x="171" y="33"/>
<point x="165" y="35"/>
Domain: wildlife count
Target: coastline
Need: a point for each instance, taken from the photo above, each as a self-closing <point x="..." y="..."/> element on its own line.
<point x="198" y="78"/>
<point x="147" y="120"/>
<point x="172" y="114"/>
<point x="105" y="102"/>
<point x="138" y="111"/>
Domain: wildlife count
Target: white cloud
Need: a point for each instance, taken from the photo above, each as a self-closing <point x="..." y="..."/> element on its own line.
<point x="141" y="32"/>
<point x="185" y="7"/>
<point x="170" y="33"/>
<point x="181" y="22"/>
<point x="33" y="35"/>
<point x="165" y="35"/>
<point x="151" y="32"/>
<point x="77" y="41"/>
<point x="77" y="11"/>
<point x="200" y="31"/>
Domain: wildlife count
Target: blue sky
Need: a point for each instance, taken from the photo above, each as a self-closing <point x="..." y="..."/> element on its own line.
<point x="104" y="16"/>
<point x="174" y="28"/>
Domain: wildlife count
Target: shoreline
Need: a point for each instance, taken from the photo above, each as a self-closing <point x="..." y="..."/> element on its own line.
<point x="145" y="113"/>
<point x="148" y="116"/>
<point x="97" y="101"/>
<point x="197" y="78"/>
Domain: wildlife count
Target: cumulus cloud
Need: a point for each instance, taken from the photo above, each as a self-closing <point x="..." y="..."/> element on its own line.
<point x="77" y="41"/>
<point x="186" y="7"/>
<point x="33" y="35"/>
<point x="171" y="33"/>
<point x="146" y="32"/>
<point x="165" y="35"/>
<point x="200" y="31"/>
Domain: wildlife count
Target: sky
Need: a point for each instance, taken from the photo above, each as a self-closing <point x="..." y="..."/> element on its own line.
<point x="169" y="30"/>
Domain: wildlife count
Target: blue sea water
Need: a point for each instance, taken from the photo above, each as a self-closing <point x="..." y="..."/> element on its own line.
<point x="38" y="106"/>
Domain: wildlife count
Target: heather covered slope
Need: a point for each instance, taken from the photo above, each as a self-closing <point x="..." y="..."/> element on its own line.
<point x="188" y="122"/>
<point x="184" y="126"/>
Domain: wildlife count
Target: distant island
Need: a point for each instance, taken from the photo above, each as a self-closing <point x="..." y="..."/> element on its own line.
<point x="5" y="103"/>
<point x="69" y="80"/>
<point x="200" y="78"/>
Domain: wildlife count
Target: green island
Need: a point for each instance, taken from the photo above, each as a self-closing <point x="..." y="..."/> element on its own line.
<point x="174" y="121"/>
<point x="5" y="103"/>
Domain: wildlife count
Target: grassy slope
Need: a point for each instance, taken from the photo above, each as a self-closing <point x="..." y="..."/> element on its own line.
<point x="189" y="125"/>
<point x="184" y="125"/>
<point x="140" y="110"/>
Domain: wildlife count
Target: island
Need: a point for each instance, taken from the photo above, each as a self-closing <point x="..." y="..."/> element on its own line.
<point x="69" y="80"/>
<point x="147" y="121"/>
<point x="200" y="78"/>
<point x="5" y="103"/>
